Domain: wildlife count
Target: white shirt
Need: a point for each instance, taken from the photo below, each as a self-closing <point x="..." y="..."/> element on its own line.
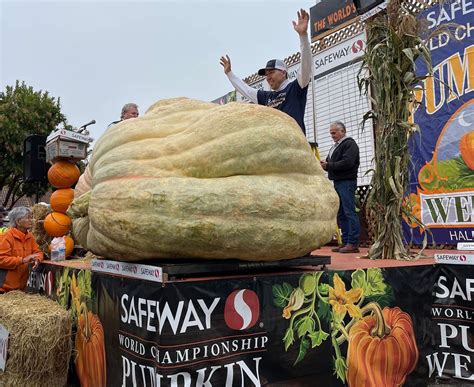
<point x="335" y="145"/>
<point x="303" y="76"/>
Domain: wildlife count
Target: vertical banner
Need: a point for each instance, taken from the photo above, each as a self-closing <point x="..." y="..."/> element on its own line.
<point x="441" y="192"/>
<point x="452" y="354"/>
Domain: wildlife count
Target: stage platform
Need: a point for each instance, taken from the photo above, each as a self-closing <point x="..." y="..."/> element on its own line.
<point x="272" y="324"/>
<point x="338" y="261"/>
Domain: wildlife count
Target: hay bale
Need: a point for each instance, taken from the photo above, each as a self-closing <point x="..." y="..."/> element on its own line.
<point x="40" y="211"/>
<point x="40" y="343"/>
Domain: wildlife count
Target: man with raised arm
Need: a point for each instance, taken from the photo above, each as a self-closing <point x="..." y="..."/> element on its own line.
<point x="287" y="96"/>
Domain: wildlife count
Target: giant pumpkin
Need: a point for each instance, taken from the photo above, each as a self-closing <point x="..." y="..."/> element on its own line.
<point x="382" y="349"/>
<point x="196" y="179"/>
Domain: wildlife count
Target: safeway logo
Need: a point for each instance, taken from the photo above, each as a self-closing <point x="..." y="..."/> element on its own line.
<point x="455" y="259"/>
<point x="242" y="309"/>
<point x="357" y="46"/>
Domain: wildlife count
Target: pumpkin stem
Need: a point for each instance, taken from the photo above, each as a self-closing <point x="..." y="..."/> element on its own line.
<point x="381" y="329"/>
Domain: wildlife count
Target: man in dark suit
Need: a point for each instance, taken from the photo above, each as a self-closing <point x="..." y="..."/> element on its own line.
<point x="342" y="164"/>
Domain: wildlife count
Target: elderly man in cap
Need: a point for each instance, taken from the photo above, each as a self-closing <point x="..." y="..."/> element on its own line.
<point x="289" y="97"/>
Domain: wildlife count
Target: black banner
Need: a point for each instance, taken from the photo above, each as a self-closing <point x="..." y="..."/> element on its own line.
<point x="410" y="325"/>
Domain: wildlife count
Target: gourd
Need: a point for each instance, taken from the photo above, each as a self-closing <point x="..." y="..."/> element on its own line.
<point x="63" y="174"/>
<point x="382" y="349"/>
<point x="196" y="179"/>
<point x="466" y="147"/>
<point x="57" y="224"/>
<point x="61" y="199"/>
<point x="90" y="347"/>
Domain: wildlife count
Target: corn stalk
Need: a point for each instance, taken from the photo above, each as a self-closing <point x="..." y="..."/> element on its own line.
<point x="395" y="40"/>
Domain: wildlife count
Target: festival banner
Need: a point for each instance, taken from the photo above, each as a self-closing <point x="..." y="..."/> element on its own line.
<point x="441" y="193"/>
<point x="71" y="287"/>
<point x="451" y="359"/>
<point x="397" y="326"/>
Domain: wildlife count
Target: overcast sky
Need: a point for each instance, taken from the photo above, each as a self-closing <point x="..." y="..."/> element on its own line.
<point x="98" y="55"/>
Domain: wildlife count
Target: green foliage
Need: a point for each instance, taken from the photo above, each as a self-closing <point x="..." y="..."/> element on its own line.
<point x="281" y="294"/>
<point x="304" y="345"/>
<point x="23" y="112"/>
<point x="84" y="283"/>
<point x="318" y="317"/>
<point x="340" y="368"/>
<point x="371" y="281"/>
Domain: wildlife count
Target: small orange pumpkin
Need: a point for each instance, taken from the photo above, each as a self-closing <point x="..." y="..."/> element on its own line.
<point x="466" y="146"/>
<point x="63" y="174"/>
<point x="379" y="357"/>
<point x="57" y="224"/>
<point x="61" y="199"/>
<point x="90" y="347"/>
<point x="69" y="245"/>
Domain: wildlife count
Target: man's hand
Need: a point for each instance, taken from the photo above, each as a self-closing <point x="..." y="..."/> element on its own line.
<point x="324" y="164"/>
<point x="225" y="62"/>
<point x="302" y="25"/>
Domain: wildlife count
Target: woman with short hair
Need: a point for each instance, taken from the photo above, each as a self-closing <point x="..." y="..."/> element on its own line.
<point x="18" y="249"/>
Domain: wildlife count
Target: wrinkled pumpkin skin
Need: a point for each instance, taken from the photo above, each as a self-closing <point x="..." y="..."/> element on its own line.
<point x="196" y="179"/>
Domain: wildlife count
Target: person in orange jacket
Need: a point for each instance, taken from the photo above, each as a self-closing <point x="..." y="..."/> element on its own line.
<point x="18" y="249"/>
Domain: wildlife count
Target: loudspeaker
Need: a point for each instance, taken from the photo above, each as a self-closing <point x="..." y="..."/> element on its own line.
<point x="34" y="158"/>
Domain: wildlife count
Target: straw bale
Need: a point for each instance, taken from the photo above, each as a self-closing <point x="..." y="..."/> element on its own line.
<point x="40" y="211"/>
<point x="39" y="344"/>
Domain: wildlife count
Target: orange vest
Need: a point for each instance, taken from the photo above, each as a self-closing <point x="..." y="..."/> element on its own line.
<point x="14" y="246"/>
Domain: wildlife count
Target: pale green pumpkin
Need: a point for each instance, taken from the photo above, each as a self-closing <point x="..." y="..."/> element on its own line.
<point x="196" y="179"/>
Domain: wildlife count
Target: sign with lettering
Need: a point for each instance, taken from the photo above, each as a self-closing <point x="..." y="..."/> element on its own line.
<point x="3" y="346"/>
<point x="290" y="329"/>
<point x="441" y="193"/>
<point x="128" y="269"/>
<point x="465" y="246"/>
<point x="327" y="15"/>
<point x="451" y="359"/>
<point x="455" y="259"/>
<point x="330" y="60"/>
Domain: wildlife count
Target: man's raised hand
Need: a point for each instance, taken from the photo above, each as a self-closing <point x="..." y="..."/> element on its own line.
<point x="302" y="25"/>
<point x="225" y="62"/>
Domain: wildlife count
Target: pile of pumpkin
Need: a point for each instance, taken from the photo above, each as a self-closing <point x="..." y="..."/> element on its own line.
<point x="62" y="175"/>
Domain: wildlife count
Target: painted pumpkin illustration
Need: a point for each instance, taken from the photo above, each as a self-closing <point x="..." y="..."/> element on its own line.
<point x="428" y="176"/>
<point x="412" y="204"/>
<point x="90" y="347"/>
<point x="466" y="146"/>
<point x="382" y="349"/>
